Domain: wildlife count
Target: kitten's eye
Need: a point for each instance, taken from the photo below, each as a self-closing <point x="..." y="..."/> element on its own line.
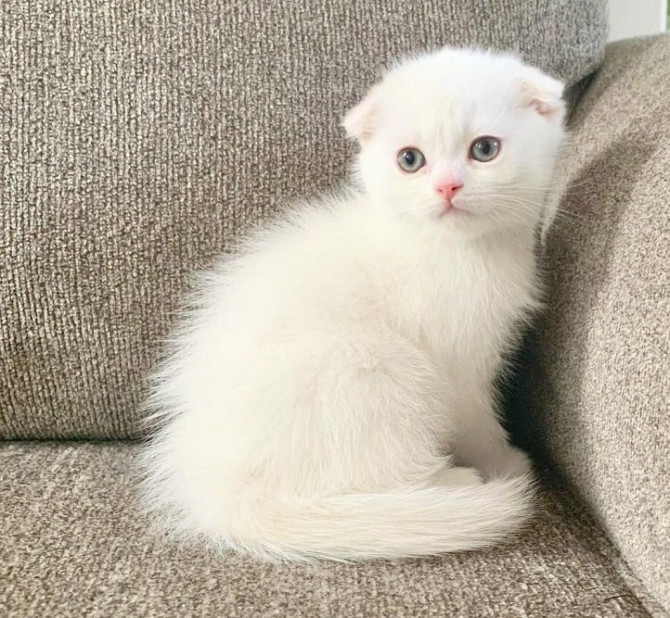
<point x="411" y="160"/>
<point x="485" y="149"/>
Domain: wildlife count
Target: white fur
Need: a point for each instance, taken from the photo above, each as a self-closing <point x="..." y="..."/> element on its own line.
<point x="328" y="379"/>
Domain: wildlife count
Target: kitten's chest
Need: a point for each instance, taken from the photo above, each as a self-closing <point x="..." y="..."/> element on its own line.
<point x="466" y="309"/>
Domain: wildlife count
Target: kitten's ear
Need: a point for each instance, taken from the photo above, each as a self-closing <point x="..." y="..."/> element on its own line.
<point x="543" y="94"/>
<point x="360" y="121"/>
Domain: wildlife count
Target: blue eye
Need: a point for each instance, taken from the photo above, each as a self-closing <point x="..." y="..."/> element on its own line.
<point x="411" y="160"/>
<point x="485" y="149"/>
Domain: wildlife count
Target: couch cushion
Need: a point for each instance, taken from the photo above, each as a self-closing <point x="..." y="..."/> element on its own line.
<point x="139" y="138"/>
<point x="71" y="544"/>
<point x="603" y="386"/>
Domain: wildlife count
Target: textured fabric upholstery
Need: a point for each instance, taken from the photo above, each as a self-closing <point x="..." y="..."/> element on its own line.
<point x="139" y="138"/>
<point x="73" y="545"/>
<point x="603" y="361"/>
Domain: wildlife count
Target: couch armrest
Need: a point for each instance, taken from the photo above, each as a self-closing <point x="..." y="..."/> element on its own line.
<point x="604" y="342"/>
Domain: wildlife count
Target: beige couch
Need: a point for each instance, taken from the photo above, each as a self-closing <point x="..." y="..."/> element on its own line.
<point x="140" y="138"/>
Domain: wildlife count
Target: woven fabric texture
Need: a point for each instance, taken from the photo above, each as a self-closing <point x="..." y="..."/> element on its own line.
<point x="603" y="383"/>
<point x="72" y="545"/>
<point x="140" y="138"/>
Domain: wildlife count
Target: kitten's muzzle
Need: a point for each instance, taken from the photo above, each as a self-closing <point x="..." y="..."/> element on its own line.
<point x="447" y="190"/>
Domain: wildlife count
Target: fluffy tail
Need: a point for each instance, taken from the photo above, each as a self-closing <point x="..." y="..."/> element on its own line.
<point x="393" y="524"/>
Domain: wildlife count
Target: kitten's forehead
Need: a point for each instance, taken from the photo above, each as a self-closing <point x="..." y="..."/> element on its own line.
<point x="453" y="71"/>
<point x="451" y="91"/>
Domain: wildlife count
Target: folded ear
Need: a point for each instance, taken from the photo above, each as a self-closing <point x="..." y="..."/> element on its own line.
<point x="542" y="93"/>
<point x="360" y="121"/>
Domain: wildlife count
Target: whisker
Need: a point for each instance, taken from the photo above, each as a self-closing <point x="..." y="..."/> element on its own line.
<point x="502" y="200"/>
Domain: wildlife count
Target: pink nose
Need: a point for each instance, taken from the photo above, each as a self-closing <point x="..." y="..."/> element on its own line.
<point x="448" y="189"/>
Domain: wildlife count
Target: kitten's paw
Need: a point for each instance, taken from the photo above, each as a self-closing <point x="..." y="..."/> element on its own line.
<point x="456" y="477"/>
<point x="511" y="463"/>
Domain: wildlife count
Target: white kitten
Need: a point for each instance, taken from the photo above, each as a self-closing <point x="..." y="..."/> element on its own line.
<point x="330" y="377"/>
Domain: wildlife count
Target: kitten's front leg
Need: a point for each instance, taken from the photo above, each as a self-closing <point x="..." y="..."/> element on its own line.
<point x="482" y="443"/>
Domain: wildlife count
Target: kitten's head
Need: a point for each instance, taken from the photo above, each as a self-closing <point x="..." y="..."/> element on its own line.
<point x="463" y="140"/>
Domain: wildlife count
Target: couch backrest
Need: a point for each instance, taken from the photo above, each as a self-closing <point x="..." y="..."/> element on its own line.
<point x="602" y="387"/>
<point x="139" y="138"/>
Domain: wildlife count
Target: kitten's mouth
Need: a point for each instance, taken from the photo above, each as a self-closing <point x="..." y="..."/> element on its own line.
<point x="450" y="209"/>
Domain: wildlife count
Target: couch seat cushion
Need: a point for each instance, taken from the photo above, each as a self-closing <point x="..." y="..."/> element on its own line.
<point x="72" y="543"/>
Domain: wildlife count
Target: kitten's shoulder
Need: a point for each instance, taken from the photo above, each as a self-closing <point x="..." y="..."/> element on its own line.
<point x="336" y="207"/>
<point x="305" y="232"/>
<point x="336" y="214"/>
